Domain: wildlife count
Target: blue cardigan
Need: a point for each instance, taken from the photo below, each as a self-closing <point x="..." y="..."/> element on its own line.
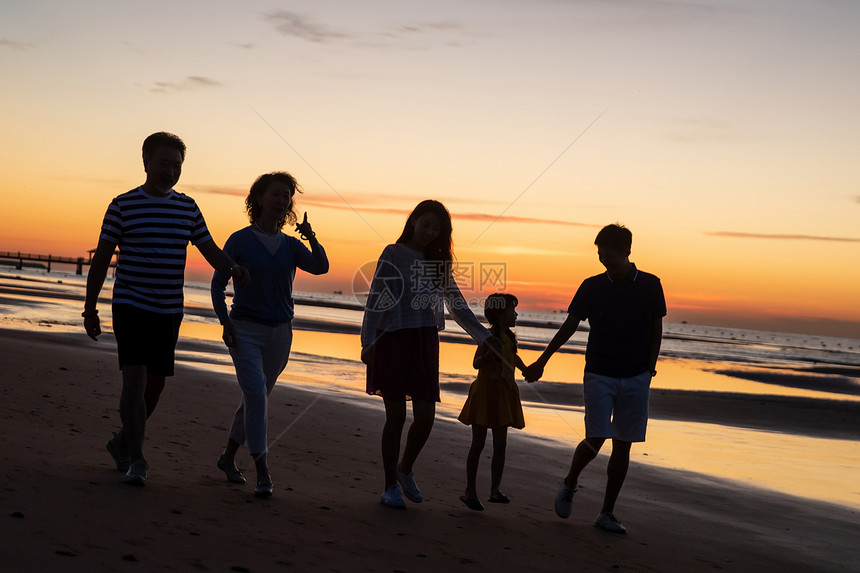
<point x="268" y="298"/>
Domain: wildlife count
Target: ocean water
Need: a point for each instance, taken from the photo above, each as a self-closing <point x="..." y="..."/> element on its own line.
<point x="46" y="291"/>
<point x="819" y="376"/>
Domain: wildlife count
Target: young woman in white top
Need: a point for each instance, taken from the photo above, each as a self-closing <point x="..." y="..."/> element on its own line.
<point x="405" y="309"/>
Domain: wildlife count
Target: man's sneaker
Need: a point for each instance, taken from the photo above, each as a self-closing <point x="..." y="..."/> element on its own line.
<point x="391" y="497"/>
<point x="410" y="488"/>
<point x="136" y="474"/>
<point x="118" y="451"/>
<point x="608" y="522"/>
<point x="564" y="501"/>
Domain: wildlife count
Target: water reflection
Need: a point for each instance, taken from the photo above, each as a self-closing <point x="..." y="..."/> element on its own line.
<point x="777" y="461"/>
<point x="752" y="457"/>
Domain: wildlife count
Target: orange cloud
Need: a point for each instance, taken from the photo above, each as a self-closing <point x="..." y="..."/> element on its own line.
<point x="790" y="237"/>
<point x="337" y="201"/>
<point x="456" y="216"/>
<point x="187" y="83"/>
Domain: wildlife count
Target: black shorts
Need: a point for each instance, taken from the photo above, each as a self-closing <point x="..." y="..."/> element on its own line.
<point x="145" y="338"/>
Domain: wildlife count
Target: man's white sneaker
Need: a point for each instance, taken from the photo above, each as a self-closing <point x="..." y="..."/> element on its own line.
<point x="391" y="497"/>
<point x="608" y="522"/>
<point x="564" y="501"/>
<point x="410" y="488"/>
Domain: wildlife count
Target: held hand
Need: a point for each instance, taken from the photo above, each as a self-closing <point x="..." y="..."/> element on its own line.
<point x="367" y="353"/>
<point x="241" y="276"/>
<point x="92" y="326"/>
<point x="228" y="335"/>
<point x="304" y="229"/>
<point x="533" y="373"/>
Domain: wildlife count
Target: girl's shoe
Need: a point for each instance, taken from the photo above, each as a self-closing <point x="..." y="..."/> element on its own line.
<point x="410" y="488"/>
<point x="391" y="498"/>
<point x="498" y="497"/>
<point x="472" y="502"/>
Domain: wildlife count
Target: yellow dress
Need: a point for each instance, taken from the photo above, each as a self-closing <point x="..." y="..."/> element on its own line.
<point x="494" y="399"/>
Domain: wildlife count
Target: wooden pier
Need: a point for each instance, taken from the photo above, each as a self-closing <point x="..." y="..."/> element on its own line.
<point x="48" y="260"/>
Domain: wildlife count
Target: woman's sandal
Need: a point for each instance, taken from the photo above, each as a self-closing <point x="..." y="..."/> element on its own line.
<point x="472" y="502"/>
<point x="498" y="497"/>
<point x="232" y="472"/>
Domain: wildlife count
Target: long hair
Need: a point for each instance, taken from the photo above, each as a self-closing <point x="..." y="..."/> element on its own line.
<point x="494" y="306"/>
<point x="252" y="201"/>
<point x="442" y="248"/>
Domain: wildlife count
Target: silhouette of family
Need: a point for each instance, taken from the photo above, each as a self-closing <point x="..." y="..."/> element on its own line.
<point x="413" y="285"/>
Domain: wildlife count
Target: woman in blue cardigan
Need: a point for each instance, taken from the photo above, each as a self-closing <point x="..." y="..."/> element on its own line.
<point x="258" y="329"/>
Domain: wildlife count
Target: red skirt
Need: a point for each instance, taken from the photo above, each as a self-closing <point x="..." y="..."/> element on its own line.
<point x="405" y="365"/>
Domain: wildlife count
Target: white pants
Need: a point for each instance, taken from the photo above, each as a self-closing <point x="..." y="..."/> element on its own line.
<point x="260" y="355"/>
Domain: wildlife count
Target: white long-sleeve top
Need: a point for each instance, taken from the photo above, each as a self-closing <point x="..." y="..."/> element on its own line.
<point x="409" y="292"/>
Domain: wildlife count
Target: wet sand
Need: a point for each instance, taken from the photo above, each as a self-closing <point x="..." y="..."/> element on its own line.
<point x="786" y="414"/>
<point x="65" y="507"/>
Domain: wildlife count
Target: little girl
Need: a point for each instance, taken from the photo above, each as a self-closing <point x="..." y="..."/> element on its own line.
<point x="494" y="400"/>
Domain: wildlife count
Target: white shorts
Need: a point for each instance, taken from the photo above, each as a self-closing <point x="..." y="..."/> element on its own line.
<point x="616" y="407"/>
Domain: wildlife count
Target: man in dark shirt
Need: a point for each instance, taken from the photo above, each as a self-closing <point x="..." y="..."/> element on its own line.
<point x="624" y="308"/>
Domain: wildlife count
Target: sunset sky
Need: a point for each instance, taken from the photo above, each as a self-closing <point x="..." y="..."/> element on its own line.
<point x="724" y="134"/>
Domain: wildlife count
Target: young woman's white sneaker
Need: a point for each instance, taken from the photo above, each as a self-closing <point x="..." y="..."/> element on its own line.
<point x="391" y="497"/>
<point x="410" y="488"/>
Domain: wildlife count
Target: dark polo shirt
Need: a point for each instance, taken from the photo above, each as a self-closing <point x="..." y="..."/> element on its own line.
<point x="620" y="314"/>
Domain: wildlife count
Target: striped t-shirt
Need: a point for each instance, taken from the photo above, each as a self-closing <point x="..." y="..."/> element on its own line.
<point x="152" y="234"/>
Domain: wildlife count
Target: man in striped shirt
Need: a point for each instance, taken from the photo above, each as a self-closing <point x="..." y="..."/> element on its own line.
<point x="152" y="226"/>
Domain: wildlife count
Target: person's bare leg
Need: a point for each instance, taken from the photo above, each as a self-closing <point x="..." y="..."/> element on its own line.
<point x="132" y="409"/>
<point x="479" y="437"/>
<point x="616" y="471"/>
<point x="260" y="463"/>
<point x="151" y="393"/>
<point x="230" y="451"/>
<point x="395" y="418"/>
<point x="424" y="413"/>
<point x="154" y="387"/>
<point x="584" y="453"/>
<point x="497" y="467"/>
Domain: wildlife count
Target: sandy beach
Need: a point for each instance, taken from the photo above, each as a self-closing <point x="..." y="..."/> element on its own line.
<point x="65" y="506"/>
